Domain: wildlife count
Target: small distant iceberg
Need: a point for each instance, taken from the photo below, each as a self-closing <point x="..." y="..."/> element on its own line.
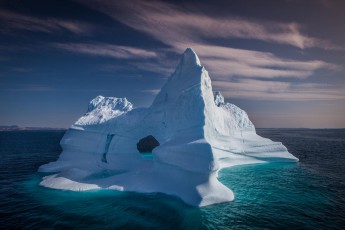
<point x="192" y="133"/>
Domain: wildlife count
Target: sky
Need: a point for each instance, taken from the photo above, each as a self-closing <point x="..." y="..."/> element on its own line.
<point x="282" y="61"/>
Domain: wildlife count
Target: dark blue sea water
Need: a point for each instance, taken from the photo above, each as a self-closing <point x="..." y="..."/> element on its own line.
<point x="306" y="195"/>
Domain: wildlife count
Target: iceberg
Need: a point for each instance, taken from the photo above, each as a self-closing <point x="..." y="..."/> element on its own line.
<point x="192" y="132"/>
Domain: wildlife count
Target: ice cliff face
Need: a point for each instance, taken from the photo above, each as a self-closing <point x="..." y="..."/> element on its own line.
<point x="198" y="134"/>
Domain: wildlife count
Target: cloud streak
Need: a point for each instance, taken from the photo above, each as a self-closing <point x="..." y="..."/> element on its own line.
<point x="106" y="50"/>
<point x="225" y="62"/>
<point x="236" y="72"/>
<point x="274" y="90"/>
<point x="181" y="28"/>
<point x="11" y="21"/>
<point x="170" y="24"/>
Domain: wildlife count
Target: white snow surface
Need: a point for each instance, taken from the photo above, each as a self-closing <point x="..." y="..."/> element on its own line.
<point x="102" y="109"/>
<point x="198" y="132"/>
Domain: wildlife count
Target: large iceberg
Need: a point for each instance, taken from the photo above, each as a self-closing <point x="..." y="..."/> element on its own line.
<point x="196" y="134"/>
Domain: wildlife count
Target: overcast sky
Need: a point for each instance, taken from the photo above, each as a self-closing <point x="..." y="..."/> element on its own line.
<point x="282" y="61"/>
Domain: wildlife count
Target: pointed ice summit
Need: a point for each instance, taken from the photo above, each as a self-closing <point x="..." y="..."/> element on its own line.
<point x="195" y="134"/>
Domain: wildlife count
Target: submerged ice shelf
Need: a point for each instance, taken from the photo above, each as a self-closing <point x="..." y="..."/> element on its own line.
<point x="198" y="134"/>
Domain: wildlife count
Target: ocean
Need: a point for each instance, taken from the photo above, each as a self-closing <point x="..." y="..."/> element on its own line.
<point x="309" y="194"/>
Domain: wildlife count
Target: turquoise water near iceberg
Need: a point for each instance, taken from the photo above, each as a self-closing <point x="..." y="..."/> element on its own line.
<point x="306" y="195"/>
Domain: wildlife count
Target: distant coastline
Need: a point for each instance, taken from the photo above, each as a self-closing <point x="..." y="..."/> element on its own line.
<point x="20" y="128"/>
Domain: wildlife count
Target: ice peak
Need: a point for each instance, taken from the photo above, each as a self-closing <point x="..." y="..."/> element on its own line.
<point x="188" y="74"/>
<point x="190" y="58"/>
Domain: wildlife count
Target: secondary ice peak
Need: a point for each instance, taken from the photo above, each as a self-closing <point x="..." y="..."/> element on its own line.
<point x="218" y="98"/>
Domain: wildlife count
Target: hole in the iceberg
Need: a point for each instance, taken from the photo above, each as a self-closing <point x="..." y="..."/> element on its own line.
<point x="147" y="144"/>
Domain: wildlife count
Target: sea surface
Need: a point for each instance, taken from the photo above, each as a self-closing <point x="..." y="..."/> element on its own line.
<point x="305" y="195"/>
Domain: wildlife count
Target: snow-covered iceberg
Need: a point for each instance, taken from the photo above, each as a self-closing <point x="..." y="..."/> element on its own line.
<point x="198" y="134"/>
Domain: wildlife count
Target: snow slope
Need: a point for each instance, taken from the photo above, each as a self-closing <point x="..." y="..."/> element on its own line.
<point x="199" y="134"/>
